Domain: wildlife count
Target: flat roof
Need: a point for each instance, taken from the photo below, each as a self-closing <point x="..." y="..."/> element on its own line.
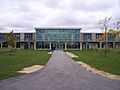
<point x="66" y="28"/>
<point x="33" y="30"/>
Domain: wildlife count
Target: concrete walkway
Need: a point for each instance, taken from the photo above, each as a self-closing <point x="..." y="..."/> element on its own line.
<point x="60" y="73"/>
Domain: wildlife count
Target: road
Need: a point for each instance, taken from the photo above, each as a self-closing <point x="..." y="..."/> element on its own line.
<point x="60" y="73"/>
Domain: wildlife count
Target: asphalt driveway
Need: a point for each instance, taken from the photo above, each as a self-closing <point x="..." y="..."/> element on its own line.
<point x="60" y="73"/>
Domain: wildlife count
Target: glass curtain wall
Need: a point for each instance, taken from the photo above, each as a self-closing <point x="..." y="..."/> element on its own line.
<point x="42" y="45"/>
<point x="57" y="35"/>
<point x="56" y="38"/>
<point x="73" y="45"/>
<point x="58" y="45"/>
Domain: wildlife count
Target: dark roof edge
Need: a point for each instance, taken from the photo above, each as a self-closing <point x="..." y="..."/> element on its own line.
<point x="58" y="28"/>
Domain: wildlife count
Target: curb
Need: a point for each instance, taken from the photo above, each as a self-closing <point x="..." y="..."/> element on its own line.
<point x="102" y="73"/>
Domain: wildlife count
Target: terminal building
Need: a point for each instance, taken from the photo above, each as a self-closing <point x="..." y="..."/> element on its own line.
<point x="59" y="38"/>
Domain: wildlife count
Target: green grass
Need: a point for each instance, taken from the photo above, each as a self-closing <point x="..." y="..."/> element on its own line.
<point x="96" y="59"/>
<point x="12" y="61"/>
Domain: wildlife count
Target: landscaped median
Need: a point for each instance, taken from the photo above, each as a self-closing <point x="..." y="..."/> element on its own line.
<point x="18" y="60"/>
<point x="96" y="62"/>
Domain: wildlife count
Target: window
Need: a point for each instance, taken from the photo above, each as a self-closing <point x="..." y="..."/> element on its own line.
<point x="28" y="36"/>
<point x="2" y="36"/>
<point x="17" y="36"/>
<point x="58" y="35"/>
<point x="87" y="36"/>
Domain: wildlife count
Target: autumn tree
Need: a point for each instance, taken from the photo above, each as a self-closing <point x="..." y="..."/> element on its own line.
<point x="10" y="39"/>
<point x="104" y="22"/>
<point x="115" y="30"/>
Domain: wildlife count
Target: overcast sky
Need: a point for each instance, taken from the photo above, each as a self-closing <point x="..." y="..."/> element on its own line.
<point x="24" y="15"/>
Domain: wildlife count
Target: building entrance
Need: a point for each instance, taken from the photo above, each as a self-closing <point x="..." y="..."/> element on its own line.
<point x="57" y="45"/>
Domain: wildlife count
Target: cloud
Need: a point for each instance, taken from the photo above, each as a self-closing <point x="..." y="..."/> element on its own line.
<point x="94" y="5"/>
<point x="36" y="13"/>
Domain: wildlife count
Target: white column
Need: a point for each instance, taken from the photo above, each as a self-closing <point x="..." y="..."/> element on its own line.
<point x="104" y="45"/>
<point x="80" y="45"/>
<point x="90" y="46"/>
<point x="34" y="45"/>
<point x="113" y="44"/>
<point x="116" y="45"/>
<point x="1" y="45"/>
<point x="22" y="45"/>
<point x="50" y="45"/>
<point x="28" y="45"/>
<point x="21" y="36"/>
<point x="65" y="45"/>
<point x="15" y="45"/>
<point x="86" y="48"/>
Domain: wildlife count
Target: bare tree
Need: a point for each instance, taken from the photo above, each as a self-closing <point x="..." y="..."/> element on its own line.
<point x="104" y="22"/>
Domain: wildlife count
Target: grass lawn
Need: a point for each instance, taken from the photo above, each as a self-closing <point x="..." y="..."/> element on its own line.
<point x="96" y="59"/>
<point x="10" y="62"/>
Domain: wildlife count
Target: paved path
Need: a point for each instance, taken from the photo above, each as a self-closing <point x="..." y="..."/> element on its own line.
<point x="60" y="73"/>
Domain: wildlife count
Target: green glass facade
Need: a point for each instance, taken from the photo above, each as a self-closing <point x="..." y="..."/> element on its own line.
<point x="57" y="38"/>
<point x="58" y="34"/>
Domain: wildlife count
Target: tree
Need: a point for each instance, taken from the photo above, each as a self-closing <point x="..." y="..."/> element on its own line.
<point x="115" y="31"/>
<point x="10" y="39"/>
<point x="117" y="25"/>
<point x="104" y="23"/>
